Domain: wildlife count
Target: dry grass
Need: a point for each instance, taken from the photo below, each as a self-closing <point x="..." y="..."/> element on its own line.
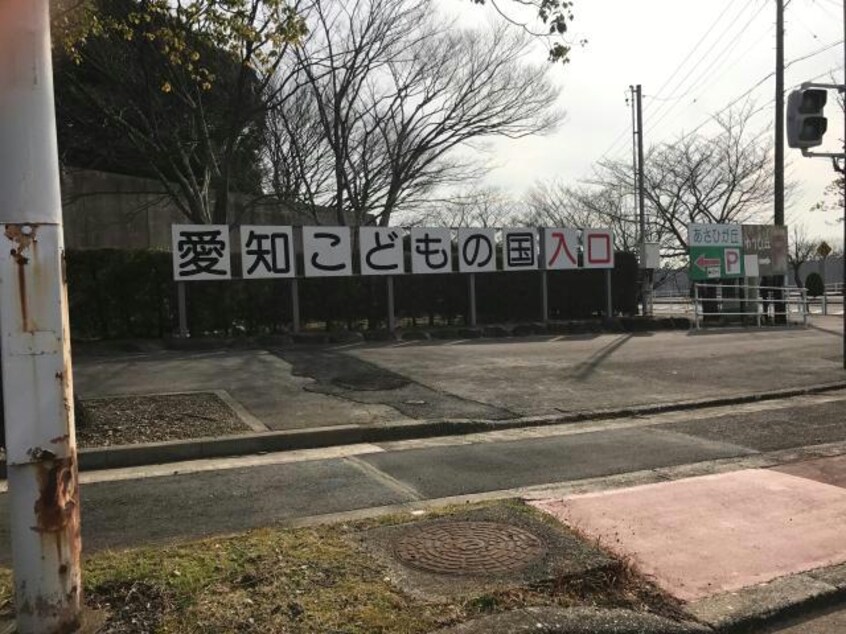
<point x="311" y="580"/>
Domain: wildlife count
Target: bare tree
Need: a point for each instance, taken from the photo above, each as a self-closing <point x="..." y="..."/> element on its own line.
<point x="397" y="94"/>
<point x="724" y="178"/>
<point x="802" y="248"/>
<point x="478" y="206"/>
<point x="554" y="204"/>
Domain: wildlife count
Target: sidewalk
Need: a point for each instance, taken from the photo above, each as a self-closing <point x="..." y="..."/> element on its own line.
<point x="736" y="548"/>
<point x="738" y="551"/>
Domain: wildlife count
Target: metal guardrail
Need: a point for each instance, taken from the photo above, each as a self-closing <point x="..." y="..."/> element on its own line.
<point x="755" y="301"/>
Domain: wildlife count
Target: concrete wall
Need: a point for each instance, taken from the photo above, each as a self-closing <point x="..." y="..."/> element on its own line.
<point x="102" y="209"/>
<point x="833" y="270"/>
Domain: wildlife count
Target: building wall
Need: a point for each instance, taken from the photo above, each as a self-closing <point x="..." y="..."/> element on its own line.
<point x="103" y="209"/>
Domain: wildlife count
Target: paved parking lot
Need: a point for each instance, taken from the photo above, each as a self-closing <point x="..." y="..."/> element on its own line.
<point x="377" y="384"/>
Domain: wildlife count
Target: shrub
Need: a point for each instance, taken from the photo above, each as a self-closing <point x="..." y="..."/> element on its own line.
<point x="815" y="285"/>
<point x="131" y="294"/>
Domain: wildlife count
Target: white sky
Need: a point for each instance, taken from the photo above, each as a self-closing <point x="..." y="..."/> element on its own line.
<point x="693" y="58"/>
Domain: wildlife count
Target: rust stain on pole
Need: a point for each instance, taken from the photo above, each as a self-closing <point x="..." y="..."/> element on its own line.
<point x="24" y="238"/>
<point x="57" y="518"/>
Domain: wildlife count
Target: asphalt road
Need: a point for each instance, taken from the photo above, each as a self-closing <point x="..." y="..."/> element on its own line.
<point x="150" y="505"/>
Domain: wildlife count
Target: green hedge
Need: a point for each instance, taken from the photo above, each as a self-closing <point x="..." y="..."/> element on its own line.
<point x="118" y="294"/>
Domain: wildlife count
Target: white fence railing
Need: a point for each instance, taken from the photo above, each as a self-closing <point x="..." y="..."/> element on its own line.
<point x="830" y="302"/>
<point x="758" y="302"/>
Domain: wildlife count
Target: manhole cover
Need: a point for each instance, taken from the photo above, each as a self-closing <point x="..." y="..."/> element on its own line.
<point x="469" y="548"/>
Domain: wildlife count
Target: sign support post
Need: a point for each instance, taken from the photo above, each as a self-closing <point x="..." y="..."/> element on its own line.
<point x="182" y="307"/>
<point x="37" y="381"/>
<point x="472" y="293"/>
<point x="609" y="300"/>
<point x="295" y="304"/>
<point x="392" y="326"/>
<point x="544" y="296"/>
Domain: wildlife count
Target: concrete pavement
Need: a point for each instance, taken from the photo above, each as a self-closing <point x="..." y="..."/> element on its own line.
<point x="378" y="384"/>
<point x="261" y="382"/>
<point x="829" y="622"/>
<point x="576" y="373"/>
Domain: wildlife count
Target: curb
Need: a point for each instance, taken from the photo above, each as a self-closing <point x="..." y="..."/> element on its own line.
<point x="748" y="610"/>
<point x="97" y="458"/>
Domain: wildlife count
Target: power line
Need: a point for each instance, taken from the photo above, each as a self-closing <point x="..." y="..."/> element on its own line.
<point x="612" y="148"/>
<point x="719" y="59"/>
<point x="704" y="55"/>
<point x="758" y="83"/>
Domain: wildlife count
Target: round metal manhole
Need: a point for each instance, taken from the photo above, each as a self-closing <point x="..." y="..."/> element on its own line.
<point x="469" y="548"/>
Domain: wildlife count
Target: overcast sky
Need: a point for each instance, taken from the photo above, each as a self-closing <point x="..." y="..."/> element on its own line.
<point x="693" y="58"/>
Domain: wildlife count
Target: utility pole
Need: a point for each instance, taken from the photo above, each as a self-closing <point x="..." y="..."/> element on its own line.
<point x="778" y="206"/>
<point x="34" y="333"/>
<point x="778" y="180"/>
<point x="637" y="160"/>
<point x="647" y="273"/>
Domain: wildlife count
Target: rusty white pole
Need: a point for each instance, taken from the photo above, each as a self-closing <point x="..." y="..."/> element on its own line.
<point x="34" y="333"/>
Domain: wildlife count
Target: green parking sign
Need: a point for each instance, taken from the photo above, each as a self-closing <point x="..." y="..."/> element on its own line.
<point x="716" y="251"/>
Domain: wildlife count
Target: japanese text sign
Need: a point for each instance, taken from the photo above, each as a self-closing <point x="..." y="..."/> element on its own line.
<point x="476" y="250"/>
<point x="380" y="250"/>
<point x="561" y="248"/>
<point x="327" y="251"/>
<point x="267" y="252"/>
<point x="431" y="250"/>
<point x="200" y="252"/>
<point x="519" y="249"/>
<point x="598" y="245"/>
<point x="703" y="235"/>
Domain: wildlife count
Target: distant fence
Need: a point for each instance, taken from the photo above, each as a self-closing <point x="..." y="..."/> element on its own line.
<point x="119" y="293"/>
<point x="750" y="304"/>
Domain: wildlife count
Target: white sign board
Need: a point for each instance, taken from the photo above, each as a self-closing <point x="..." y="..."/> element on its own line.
<point x="380" y="250"/>
<point x="431" y="250"/>
<point x="476" y="250"/>
<point x="560" y="248"/>
<point x="327" y="251"/>
<point x="200" y="252"/>
<point x="598" y="245"/>
<point x="519" y="249"/>
<point x="751" y="265"/>
<point x="705" y="235"/>
<point x="267" y="252"/>
<point x="650" y="255"/>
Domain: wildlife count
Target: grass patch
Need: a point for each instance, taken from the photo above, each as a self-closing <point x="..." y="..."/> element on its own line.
<point x="310" y="580"/>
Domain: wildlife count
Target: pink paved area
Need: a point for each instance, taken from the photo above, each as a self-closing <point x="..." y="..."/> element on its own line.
<point x="828" y="470"/>
<point x="712" y="534"/>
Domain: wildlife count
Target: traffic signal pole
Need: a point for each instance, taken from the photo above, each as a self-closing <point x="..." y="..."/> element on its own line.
<point x="778" y="176"/>
<point x="778" y="203"/>
<point x="34" y="333"/>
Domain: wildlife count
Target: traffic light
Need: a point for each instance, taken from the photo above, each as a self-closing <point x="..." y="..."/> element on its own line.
<point x="806" y="124"/>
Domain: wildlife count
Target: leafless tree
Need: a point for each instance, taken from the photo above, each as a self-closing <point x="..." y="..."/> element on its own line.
<point x="478" y="206"/>
<point x="397" y="95"/>
<point x="720" y="178"/>
<point x="555" y="204"/>
<point x="802" y="248"/>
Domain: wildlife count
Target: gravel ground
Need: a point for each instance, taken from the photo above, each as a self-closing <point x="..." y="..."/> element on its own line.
<point x="129" y="420"/>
